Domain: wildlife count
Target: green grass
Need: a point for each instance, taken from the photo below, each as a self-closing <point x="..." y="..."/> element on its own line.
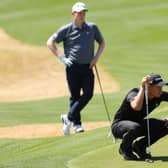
<point x="110" y="158"/>
<point x="49" y="111"/>
<point x="136" y="44"/>
<point x="91" y="149"/>
<point x="50" y="152"/>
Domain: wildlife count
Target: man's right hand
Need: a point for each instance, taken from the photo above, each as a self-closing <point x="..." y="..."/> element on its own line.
<point x="145" y="80"/>
<point x="67" y="61"/>
<point x="166" y="122"/>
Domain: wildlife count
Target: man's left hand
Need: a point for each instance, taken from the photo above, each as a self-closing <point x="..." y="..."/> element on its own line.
<point x="93" y="62"/>
<point x="166" y="122"/>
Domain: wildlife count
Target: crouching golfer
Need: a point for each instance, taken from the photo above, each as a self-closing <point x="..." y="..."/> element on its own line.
<point x="79" y="58"/>
<point x="130" y="123"/>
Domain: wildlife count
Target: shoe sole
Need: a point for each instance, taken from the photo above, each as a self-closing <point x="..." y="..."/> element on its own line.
<point x="79" y="131"/>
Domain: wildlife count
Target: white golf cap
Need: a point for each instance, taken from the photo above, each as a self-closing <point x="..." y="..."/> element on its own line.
<point x="78" y="7"/>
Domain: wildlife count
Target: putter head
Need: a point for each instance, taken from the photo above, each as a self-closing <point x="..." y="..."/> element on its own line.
<point x="149" y="160"/>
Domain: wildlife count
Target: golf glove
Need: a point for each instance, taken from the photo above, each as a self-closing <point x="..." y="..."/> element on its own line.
<point x="67" y="61"/>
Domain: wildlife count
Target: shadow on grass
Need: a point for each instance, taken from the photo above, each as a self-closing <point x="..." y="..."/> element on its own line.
<point x="161" y="158"/>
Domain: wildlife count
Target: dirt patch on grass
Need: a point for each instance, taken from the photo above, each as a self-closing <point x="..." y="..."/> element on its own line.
<point x="31" y="72"/>
<point x="43" y="130"/>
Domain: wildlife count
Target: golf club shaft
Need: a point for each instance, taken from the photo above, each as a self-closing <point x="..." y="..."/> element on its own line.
<point x="147" y="117"/>
<point x="101" y="89"/>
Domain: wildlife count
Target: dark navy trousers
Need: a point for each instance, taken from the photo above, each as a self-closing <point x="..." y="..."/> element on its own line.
<point x="80" y="80"/>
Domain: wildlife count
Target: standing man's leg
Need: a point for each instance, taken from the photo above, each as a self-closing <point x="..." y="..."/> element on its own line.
<point x="87" y="86"/>
<point x="74" y="85"/>
<point x="79" y="77"/>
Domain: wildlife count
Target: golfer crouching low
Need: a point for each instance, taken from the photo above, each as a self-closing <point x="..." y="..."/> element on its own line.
<point x="130" y="125"/>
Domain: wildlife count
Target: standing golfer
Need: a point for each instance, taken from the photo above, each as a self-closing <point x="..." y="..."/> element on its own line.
<point x="79" y="58"/>
<point x="130" y="122"/>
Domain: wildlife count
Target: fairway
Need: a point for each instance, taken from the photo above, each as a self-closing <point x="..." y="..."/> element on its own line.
<point x="33" y="90"/>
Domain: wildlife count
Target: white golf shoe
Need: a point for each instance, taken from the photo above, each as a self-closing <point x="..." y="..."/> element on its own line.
<point x="78" y="128"/>
<point x="67" y="124"/>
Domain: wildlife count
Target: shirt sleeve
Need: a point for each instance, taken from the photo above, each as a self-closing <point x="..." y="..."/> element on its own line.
<point x="131" y="95"/>
<point x="60" y="35"/>
<point x="98" y="35"/>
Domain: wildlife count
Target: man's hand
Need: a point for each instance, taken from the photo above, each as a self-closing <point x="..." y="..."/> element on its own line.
<point x="166" y="122"/>
<point x="145" y="80"/>
<point x="67" y="61"/>
<point x="93" y="62"/>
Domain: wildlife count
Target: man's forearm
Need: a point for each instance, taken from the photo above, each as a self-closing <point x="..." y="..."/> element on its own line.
<point x="52" y="46"/>
<point x="100" y="50"/>
<point x="137" y="103"/>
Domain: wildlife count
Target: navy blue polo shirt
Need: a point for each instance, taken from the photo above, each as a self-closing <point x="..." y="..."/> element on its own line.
<point x="79" y="43"/>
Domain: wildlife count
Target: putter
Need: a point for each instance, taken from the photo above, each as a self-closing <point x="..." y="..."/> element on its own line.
<point x="148" y="126"/>
<point x="104" y="101"/>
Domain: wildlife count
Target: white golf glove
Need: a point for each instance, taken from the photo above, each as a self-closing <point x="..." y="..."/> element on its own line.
<point x="67" y="61"/>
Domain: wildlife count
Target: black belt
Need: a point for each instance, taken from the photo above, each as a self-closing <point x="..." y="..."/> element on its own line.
<point x="80" y="64"/>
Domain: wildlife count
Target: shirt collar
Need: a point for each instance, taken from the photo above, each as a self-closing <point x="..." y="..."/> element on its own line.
<point x="75" y="27"/>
